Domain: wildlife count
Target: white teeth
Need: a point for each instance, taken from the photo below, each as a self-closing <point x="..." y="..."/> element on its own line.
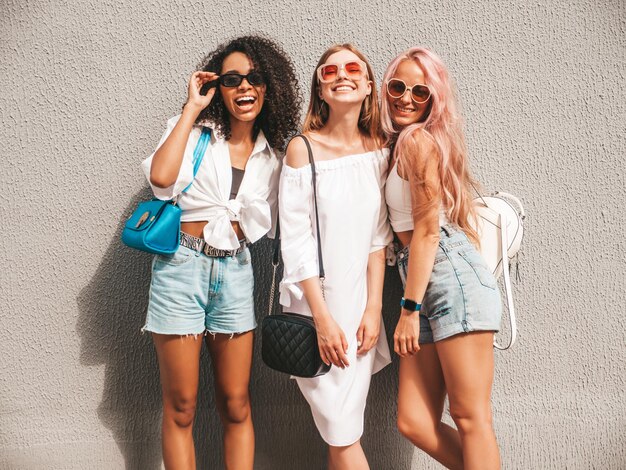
<point x="342" y="88"/>
<point x="405" y="110"/>
<point x="245" y="99"/>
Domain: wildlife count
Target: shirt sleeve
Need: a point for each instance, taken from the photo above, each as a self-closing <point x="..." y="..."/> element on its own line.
<point x="298" y="245"/>
<point x="273" y="197"/>
<point x="382" y="235"/>
<point x="185" y="174"/>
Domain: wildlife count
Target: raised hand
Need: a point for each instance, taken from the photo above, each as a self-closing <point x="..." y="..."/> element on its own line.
<point x="196" y="82"/>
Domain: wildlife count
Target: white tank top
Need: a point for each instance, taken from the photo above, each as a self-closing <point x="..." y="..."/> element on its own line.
<point x="398" y="197"/>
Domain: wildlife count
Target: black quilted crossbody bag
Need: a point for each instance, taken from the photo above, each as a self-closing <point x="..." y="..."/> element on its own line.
<point x="289" y="340"/>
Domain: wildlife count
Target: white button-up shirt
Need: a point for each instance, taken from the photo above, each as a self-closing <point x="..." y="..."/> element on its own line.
<point x="207" y="199"/>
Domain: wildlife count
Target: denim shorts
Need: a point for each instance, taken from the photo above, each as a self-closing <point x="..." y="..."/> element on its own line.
<point x="462" y="294"/>
<point x="191" y="292"/>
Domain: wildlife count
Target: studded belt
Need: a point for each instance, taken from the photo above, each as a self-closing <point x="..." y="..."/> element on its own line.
<point x="199" y="245"/>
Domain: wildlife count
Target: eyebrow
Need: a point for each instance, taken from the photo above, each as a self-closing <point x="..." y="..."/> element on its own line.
<point x="237" y="72"/>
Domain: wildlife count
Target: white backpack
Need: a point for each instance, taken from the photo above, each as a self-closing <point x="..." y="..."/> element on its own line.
<point x="495" y="212"/>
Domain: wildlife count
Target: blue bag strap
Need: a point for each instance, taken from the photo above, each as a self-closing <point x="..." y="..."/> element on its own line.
<point x="198" y="153"/>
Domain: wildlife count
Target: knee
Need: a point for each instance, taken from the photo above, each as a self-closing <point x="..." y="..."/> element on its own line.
<point x="471" y="419"/>
<point x="420" y="431"/>
<point x="181" y="409"/>
<point x="235" y="409"/>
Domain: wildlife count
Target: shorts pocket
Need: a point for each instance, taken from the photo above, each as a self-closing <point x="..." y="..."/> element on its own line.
<point x="478" y="265"/>
<point x="244" y="257"/>
<point x="181" y="256"/>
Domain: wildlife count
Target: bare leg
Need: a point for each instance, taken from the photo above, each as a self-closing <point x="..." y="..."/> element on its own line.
<point x="421" y="396"/>
<point x="179" y="361"/>
<point x="467" y="365"/>
<point x="349" y="457"/>
<point x="232" y="360"/>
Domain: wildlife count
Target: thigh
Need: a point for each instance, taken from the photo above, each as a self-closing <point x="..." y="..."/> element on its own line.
<point x="467" y="365"/>
<point x="422" y="390"/>
<point x="231" y="309"/>
<point x="179" y="364"/>
<point x="232" y="361"/>
<point x="178" y="293"/>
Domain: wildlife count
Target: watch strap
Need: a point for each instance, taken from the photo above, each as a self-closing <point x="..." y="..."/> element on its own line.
<point x="410" y="305"/>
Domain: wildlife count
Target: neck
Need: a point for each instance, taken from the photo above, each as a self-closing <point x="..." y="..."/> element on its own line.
<point x="343" y="125"/>
<point x="240" y="131"/>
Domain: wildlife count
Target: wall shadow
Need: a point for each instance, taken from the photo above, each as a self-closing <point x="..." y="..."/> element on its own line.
<point x="111" y="313"/>
<point x="112" y="310"/>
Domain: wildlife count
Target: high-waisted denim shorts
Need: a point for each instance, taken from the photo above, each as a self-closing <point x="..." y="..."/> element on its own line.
<point x="462" y="294"/>
<point x="191" y="292"/>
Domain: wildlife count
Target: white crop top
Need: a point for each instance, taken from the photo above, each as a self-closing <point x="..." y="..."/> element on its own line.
<point x="398" y="197"/>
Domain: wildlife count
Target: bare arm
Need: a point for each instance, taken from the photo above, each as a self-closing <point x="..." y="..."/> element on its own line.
<point x="169" y="157"/>
<point x="425" y="186"/>
<point x="369" y="330"/>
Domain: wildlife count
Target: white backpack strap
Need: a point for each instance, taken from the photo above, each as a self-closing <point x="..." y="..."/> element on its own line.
<point x="504" y="245"/>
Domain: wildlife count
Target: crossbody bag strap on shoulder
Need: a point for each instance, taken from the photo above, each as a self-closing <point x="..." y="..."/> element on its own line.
<point x="276" y="255"/>
<point x="198" y="155"/>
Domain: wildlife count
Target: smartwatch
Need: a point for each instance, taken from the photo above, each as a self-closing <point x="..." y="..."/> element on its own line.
<point x="410" y="305"/>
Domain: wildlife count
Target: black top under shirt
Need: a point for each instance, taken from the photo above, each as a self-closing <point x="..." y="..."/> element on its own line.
<point x="237" y="177"/>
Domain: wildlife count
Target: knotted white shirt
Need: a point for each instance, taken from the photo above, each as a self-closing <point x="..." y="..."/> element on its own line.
<point x="208" y="197"/>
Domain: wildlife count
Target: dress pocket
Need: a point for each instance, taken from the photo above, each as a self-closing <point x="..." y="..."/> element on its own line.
<point x="478" y="265"/>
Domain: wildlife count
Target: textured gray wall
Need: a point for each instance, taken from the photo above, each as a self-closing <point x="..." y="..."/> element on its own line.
<point x="85" y="90"/>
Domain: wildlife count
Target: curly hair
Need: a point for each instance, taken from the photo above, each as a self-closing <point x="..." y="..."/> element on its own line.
<point x="279" y="118"/>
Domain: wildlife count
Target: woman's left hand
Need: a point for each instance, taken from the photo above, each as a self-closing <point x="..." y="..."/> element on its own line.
<point x="369" y="329"/>
<point x="406" y="337"/>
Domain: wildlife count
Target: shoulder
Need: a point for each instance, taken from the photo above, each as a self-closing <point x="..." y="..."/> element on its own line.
<point x="422" y="142"/>
<point x="297" y="154"/>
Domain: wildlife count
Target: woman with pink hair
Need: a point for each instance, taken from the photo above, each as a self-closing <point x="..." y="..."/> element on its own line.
<point x="451" y="305"/>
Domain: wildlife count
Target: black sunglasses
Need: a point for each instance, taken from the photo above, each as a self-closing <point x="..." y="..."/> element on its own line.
<point x="232" y="80"/>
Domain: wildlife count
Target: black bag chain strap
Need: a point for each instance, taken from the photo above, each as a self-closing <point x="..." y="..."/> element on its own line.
<point x="276" y="255"/>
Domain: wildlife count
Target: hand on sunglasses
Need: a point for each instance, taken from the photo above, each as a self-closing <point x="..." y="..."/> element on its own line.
<point x="198" y="83"/>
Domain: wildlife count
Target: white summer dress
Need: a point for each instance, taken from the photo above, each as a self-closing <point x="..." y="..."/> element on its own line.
<point x="353" y="223"/>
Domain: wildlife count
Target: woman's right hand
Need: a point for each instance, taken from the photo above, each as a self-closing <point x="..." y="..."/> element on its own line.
<point x="331" y="341"/>
<point x="195" y="100"/>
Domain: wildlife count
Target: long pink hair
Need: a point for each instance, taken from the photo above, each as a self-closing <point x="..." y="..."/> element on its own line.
<point x="443" y="123"/>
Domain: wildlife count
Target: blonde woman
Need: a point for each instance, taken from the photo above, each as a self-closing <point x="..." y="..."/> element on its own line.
<point x="451" y="305"/>
<point x="342" y="127"/>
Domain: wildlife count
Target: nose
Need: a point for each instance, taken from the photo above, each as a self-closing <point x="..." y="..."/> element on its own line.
<point x="406" y="96"/>
<point x="341" y="73"/>
<point x="244" y="85"/>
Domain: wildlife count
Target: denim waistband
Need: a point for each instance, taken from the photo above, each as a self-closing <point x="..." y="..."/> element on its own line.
<point x="449" y="229"/>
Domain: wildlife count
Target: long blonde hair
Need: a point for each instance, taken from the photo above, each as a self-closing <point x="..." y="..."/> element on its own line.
<point x="443" y="123"/>
<point x="369" y="118"/>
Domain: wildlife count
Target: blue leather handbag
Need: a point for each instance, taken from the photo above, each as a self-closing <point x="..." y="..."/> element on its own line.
<point x="155" y="225"/>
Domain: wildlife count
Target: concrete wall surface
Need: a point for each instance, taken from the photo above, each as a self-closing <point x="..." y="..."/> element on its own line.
<point x="86" y="87"/>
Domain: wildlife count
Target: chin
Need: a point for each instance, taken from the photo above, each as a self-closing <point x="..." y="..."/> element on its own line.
<point x="247" y="116"/>
<point x="404" y="121"/>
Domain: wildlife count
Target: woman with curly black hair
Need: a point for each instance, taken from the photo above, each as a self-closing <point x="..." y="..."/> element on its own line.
<point x="219" y="160"/>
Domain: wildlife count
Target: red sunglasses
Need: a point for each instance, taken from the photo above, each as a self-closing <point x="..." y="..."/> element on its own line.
<point x="354" y="69"/>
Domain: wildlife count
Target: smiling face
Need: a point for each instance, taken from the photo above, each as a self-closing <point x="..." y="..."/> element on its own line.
<point x="404" y="110"/>
<point x="345" y="88"/>
<point x="243" y="102"/>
